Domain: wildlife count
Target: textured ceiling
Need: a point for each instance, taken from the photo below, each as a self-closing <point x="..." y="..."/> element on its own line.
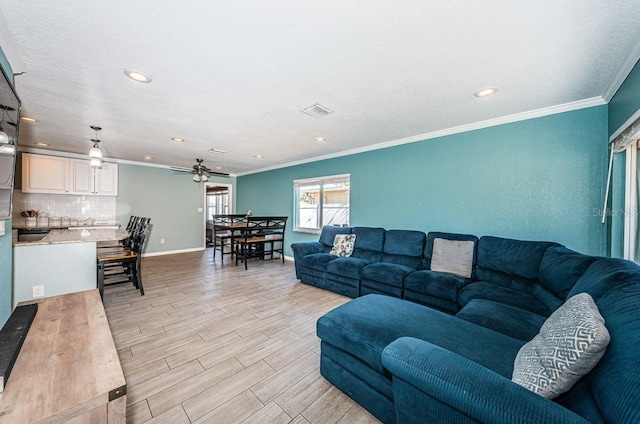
<point x="233" y="75"/>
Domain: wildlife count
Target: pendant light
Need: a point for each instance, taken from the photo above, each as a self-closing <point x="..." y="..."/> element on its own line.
<point x="95" y="153"/>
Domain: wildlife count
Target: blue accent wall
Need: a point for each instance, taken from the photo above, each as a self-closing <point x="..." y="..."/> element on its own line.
<point x="626" y="101"/>
<point x="6" y="260"/>
<point x="171" y="201"/>
<point x="539" y="179"/>
<point x="622" y="106"/>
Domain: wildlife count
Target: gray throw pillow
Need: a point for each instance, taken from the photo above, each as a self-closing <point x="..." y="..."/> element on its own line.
<point x="452" y="256"/>
<point x="343" y="245"/>
<point x="569" y="345"/>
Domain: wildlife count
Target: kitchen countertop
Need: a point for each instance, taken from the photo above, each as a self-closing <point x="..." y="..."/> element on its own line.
<point x="60" y="227"/>
<point x="75" y="236"/>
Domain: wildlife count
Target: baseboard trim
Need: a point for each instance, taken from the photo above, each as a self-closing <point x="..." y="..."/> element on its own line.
<point x="172" y="252"/>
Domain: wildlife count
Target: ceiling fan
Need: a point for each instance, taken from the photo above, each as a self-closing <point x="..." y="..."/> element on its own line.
<point x="200" y="172"/>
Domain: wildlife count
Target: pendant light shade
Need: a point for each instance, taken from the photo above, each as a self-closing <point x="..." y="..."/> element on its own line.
<point x="95" y="163"/>
<point x="197" y="178"/>
<point x="95" y="152"/>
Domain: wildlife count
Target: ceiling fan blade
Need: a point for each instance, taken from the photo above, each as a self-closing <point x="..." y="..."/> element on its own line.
<point x="180" y="169"/>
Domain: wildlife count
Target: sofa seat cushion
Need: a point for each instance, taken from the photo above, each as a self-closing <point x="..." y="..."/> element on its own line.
<point x="391" y="274"/>
<point x="317" y="261"/>
<point x="347" y="267"/>
<point x="364" y="326"/>
<point x="437" y="284"/>
<point x="491" y="291"/>
<point x="514" y="322"/>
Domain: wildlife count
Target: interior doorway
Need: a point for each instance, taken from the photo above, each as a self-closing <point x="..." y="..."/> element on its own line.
<point x="218" y="200"/>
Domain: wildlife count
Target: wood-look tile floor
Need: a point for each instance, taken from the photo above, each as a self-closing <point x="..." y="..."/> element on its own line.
<point x="213" y="343"/>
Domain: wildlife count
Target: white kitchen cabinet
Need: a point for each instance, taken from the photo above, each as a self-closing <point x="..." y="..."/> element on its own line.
<point x="99" y="181"/>
<point x="81" y="181"/>
<point x="44" y="174"/>
<point x="105" y="182"/>
<point x="53" y="174"/>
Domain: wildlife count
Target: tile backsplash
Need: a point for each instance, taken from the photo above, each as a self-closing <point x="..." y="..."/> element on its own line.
<point x="100" y="208"/>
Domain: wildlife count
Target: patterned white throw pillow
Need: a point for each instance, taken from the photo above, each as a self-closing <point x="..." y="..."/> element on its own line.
<point x="343" y="245"/>
<point x="452" y="256"/>
<point x="569" y="345"/>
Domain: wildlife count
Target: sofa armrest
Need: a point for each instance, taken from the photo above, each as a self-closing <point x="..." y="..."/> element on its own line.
<point x="306" y="248"/>
<point x="432" y="384"/>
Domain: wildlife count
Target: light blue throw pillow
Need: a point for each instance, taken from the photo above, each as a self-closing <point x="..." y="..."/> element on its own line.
<point x="569" y="345"/>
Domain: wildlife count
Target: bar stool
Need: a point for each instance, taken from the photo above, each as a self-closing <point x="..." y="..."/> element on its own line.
<point x="122" y="265"/>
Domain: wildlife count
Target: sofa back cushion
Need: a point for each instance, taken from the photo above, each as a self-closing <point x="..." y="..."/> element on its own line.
<point x="433" y="235"/>
<point x="404" y="247"/>
<point x="561" y="268"/>
<point x="603" y="275"/>
<point x="328" y="234"/>
<point x="369" y="243"/>
<point x="510" y="263"/>
<point x="609" y="393"/>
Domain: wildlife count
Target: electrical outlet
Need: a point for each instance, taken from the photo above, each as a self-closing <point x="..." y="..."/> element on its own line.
<point x="38" y="291"/>
<point x="161" y="241"/>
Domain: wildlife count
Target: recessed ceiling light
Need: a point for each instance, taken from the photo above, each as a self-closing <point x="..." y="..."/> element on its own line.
<point x="177" y="139"/>
<point x="320" y="139"/>
<point x="27" y="119"/>
<point x="137" y="75"/>
<point x="259" y="157"/>
<point x="218" y="168"/>
<point x="42" y="144"/>
<point x="486" y="92"/>
<point x="148" y="157"/>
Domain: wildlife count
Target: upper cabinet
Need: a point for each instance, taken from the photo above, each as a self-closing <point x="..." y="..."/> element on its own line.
<point x="52" y="174"/>
<point x="105" y="182"/>
<point x="45" y="174"/>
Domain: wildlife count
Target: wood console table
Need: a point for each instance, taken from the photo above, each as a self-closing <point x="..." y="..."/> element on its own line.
<point x="68" y="368"/>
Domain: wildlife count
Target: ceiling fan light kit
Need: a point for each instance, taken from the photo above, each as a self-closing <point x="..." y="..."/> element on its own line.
<point x="201" y="173"/>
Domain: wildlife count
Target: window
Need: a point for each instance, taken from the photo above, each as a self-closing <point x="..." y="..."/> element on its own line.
<point x="321" y="201"/>
<point x="217" y="201"/>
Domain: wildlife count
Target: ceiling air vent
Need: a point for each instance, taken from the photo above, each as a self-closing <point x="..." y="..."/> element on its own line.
<point x="218" y="151"/>
<point x="317" y="110"/>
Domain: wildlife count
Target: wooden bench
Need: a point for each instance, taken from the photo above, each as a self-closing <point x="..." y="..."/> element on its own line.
<point x="68" y="369"/>
<point x="261" y="237"/>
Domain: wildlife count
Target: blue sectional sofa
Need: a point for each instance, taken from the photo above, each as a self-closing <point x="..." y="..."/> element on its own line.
<point x="448" y="354"/>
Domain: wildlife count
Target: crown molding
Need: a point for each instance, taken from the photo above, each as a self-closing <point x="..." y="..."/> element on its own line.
<point x="623" y="72"/>
<point x="10" y="48"/>
<point x="85" y="157"/>
<point x="523" y="116"/>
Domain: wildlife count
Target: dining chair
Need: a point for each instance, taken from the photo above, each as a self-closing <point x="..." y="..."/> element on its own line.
<point x="261" y="237"/>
